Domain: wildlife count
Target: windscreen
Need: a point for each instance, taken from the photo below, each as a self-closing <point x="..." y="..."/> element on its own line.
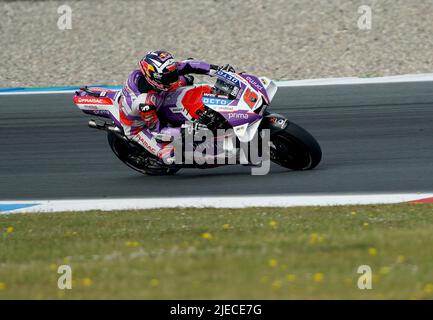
<point x="228" y="87"/>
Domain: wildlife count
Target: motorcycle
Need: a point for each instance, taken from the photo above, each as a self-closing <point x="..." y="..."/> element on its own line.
<point x="238" y="101"/>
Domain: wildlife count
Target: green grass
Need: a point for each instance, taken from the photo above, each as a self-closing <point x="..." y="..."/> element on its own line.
<point x="259" y="253"/>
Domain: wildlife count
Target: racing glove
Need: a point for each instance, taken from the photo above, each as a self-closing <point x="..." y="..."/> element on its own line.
<point x="225" y="67"/>
<point x="148" y="114"/>
<point x="189" y="79"/>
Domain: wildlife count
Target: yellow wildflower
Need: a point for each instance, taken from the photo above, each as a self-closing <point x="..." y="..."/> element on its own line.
<point x="385" y="270"/>
<point x="372" y="252"/>
<point x="291" y="277"/>
<point x="273" y="223"/>
<point x="428" y="288"/>
<point x="318" y="277"/>
<point x="273" y="263"/>
<point x="132" y="244"/>
<point x="86" y="282"/>
<point x="206" y="235"/>
<point x="316" y="238"/>
<point x="276" y="285"/>
<point x="154" y="283"/>
<point x="71" y="233"/>
<point x="401" y="259"/>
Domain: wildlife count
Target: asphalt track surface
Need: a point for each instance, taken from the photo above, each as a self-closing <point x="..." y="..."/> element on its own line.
<point x="375" y="138"/>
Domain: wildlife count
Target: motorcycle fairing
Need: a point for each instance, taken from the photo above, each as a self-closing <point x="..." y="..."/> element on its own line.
<point x="246" y="132"/>
<point x="99" y="102"/>
<point x="183" y="104"/>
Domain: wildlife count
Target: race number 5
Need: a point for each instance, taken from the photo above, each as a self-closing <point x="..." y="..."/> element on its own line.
<point x="250" y="98"/>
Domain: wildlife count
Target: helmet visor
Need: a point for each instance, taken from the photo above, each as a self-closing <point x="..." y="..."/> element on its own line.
<point x="167" y="78"/>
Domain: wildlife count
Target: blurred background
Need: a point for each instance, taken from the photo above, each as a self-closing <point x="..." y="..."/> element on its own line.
<point x="282" y="39"/>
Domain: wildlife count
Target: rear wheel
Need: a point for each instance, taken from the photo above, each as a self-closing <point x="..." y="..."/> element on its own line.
<point x="294" y="148"/>
<point x="138" y="158"/>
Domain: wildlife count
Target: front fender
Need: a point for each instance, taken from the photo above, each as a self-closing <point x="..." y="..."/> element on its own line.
<point x="274" y="122"/>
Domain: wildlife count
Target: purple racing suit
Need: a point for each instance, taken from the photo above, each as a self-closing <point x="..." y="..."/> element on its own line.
<point x="137" y="91"/>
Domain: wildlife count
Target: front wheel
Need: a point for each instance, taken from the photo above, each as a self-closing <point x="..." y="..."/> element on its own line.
<point x="294" y="148"/>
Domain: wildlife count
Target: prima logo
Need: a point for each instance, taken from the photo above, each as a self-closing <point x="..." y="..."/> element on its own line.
<point x="234" y="115"/>
<point x="254" y="82"/>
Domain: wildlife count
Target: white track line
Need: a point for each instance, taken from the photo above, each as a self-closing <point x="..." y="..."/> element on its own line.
<point x="30" y="92"/>
<point x="213" y="202"/>
<point x="424" y="77"/>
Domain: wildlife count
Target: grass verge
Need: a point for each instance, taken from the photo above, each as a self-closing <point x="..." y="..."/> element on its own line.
<point x="257" y="253"/>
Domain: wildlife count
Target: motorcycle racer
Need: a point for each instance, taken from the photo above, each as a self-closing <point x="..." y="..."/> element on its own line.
<point x="144" y="92"/>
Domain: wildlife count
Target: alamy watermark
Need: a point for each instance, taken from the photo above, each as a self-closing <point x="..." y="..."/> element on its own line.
<point x="65" y="279"/>
<point x="207" y="148"/>
<point x="64" y="22"/>
<point x="365" y="281"/>
<point x="366" y="19"/>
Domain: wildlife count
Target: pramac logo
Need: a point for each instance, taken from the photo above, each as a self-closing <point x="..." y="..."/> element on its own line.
<point x="87" y="100"/>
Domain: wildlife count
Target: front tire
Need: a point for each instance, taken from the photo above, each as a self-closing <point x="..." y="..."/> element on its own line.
<point x="137" y="158"/>
<point x="294" y="148"/>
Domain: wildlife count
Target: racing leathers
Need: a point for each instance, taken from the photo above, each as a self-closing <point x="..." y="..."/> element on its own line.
<point x="138" y="100"/>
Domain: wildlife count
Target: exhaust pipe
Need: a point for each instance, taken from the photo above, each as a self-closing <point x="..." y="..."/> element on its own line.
<point x="92" y="124"/>
<point x="102" y="125"/>
<point x="114" y="129"/>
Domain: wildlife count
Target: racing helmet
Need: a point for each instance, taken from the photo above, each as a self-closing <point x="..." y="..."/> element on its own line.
<point x="160" y="69"/>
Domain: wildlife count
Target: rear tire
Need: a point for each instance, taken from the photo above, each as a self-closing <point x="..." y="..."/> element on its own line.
<point x="294" y="148"/>
<point x="137" y="158"/>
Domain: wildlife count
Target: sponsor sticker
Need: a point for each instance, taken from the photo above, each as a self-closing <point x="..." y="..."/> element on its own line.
<point x="146" y="144"/>
<point x="228" y="77"/>
<point x="238" y="115"/>
<point x="176" y="109"/>
<point x="92" y="100"/>
<point x="215" y="101"/>
<point x="255" y="82"/>
<point x="278" y="121"/>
